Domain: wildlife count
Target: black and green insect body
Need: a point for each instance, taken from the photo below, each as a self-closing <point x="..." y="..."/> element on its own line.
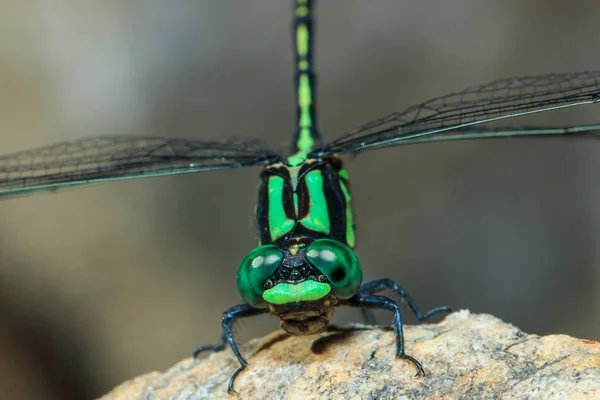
<point x="306" y="229"/>
<point x="304" y="265"/>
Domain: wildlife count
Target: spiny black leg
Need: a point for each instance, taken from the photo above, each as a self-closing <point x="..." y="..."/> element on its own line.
<point x="385" y="283"/>
<point x="229" y="317"/>
<point x="374" y="301"/>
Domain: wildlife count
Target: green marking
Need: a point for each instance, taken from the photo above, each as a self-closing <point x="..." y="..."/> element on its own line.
<point x="301" y="8"/>
<point x="296" y="202"/>
<point x="304" y="101"/>
<point x="350" y="236"/>
<point x="305" y="140"/>
<point x="318" y="215"/>
<point x="303" y="65"/>
<point x="344" y="174"/>
<point x="302" y="40"/>
<point x="297" y="245"/>
<point x="296" y="159"/>
<point x="290" y="293"/>
<point x="279" y="223"/>
<point x="301" y="11"/>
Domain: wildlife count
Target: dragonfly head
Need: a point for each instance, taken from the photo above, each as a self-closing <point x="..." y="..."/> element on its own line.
<point x="300" y="284"/>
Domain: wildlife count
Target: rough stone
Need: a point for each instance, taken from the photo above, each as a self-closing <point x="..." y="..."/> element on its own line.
<point x="464" y="356"/>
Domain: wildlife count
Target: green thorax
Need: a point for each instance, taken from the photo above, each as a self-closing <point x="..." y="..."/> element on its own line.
<point x="310" y="200"/>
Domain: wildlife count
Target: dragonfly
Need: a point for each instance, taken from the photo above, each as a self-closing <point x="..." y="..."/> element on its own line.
<point x="304" y="265"/>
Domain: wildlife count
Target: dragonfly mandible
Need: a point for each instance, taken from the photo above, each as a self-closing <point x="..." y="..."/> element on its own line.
<point x="305" y="265"/>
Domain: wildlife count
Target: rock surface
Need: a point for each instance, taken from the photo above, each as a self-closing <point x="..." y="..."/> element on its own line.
<point x="464" y="356"/>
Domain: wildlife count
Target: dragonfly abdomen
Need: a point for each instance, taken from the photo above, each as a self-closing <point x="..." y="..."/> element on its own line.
<point x="311" y="200"/>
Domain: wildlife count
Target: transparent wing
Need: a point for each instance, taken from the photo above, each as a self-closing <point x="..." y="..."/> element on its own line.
<point x="499" y="132"/>
<point x="484" y="103"/>
<point x="101" y="159"/>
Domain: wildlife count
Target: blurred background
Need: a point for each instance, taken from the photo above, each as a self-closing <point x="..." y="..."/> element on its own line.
<point x="101" y="284"/>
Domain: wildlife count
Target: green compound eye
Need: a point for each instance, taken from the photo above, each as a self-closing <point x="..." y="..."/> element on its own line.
<point x="338" y="263"/>
<point x="255" y="269"/>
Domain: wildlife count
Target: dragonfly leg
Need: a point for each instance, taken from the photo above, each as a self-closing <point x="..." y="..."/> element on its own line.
<point x="382" y="284"/>
<point x="370" y="301"/>
<point x="212" y="347"/>
<point x="229" y="318"/>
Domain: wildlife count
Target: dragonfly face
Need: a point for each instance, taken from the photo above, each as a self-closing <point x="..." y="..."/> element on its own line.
<point x="300" y="281"/>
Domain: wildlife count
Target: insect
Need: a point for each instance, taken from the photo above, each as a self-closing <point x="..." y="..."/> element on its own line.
<point x="305" y="265"/>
